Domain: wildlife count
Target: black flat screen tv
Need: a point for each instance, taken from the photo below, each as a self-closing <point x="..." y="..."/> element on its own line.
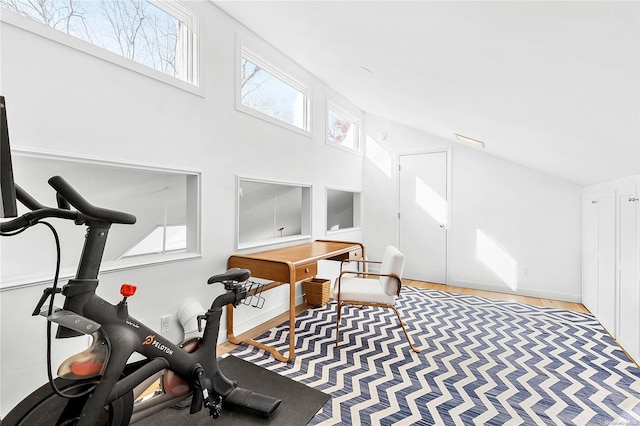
<point x="8" y="206"/>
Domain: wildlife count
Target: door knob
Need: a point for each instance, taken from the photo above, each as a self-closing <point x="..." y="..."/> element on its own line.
<point x="442" y="225"/>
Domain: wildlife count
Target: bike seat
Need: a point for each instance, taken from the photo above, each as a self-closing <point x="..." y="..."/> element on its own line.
<point x="233" y="274"/>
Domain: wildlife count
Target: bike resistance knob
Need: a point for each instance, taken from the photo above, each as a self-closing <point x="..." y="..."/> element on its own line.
<point x="128" y="290"/>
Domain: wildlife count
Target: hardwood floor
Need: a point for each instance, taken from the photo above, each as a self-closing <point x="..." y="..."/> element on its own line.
<point x="536" y="301"/>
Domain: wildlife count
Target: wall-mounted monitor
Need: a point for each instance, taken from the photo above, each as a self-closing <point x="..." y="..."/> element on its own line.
<point x="8" y="206"/>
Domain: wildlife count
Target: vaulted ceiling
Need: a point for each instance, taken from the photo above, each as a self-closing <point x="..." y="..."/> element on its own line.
<point x="547" y="84"/>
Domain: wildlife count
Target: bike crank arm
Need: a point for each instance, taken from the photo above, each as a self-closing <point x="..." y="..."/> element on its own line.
<point x="202" y="395"/>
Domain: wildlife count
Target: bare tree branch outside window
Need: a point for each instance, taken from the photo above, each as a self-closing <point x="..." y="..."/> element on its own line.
<point x="135" y="29"/>
<point x="268" y="94"/>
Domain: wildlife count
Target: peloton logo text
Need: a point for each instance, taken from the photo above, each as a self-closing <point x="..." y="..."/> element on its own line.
<point x="150" y="340"/>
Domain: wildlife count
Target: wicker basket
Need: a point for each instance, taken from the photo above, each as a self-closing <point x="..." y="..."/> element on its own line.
<point x="317" y="290"/>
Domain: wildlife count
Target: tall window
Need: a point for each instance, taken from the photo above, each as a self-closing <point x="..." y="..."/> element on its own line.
<point x="267" y="90"/>
<point x="343" y="129"/>
<point x="158" y="34"/>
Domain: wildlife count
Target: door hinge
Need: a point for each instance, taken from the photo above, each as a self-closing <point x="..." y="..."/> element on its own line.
<point x="398" y="215"/>
<point x="399" y="167"/>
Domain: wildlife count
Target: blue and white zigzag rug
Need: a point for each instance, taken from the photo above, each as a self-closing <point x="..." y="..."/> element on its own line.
<point x="482" y="362"/>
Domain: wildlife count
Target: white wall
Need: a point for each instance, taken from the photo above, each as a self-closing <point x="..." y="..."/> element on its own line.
<point x="63" y="100"/>
<point x="534" y="217"/>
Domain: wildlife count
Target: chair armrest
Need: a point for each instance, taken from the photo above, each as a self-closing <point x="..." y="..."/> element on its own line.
<point x="364" y="263"/>
<point x="375" y="274"/>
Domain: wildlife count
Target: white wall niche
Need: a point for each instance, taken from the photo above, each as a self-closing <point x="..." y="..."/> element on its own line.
<point x="157" y="196"/>
<point x="270" y="212"/>
<point x="343" y="210"/>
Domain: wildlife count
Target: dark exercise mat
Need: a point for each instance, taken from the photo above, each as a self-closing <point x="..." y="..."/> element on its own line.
<point x="299" y="402"/>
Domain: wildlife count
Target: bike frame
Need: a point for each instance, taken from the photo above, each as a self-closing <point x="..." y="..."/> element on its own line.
<point x="84" y="312"/>
<point x="125" y="335"/>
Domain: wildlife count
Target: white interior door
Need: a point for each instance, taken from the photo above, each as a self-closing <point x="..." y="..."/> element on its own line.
<point x="590" y="255"/>
<point x="628" y="285"/>
<point x="607" y="262"/>
<point x="423" y="214"/>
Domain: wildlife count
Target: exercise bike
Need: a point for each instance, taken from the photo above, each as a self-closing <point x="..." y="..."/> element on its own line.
<point x="97" y="386"/>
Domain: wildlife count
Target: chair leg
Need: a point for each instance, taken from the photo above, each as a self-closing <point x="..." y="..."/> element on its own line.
<point x="402" y="324"/>
<point x="338" y="314"/>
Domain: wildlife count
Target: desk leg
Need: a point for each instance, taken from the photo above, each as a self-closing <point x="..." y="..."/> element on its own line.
<point x="230" y="335"/>
<point x="292" y="313"/>
<point x="292" y="322"/>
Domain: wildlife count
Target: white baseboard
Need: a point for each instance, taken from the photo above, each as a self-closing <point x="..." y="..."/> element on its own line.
<point x="566" y="297"/>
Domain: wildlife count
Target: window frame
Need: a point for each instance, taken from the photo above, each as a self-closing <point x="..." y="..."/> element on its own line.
<point x="356" y="120"/>
<point x="245" y="50"/>
<point x="190" y="47"/>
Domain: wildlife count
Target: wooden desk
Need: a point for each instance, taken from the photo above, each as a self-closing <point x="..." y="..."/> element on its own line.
<point x="289" y="265"/>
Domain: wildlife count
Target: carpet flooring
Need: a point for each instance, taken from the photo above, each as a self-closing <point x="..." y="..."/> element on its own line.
<point x="483" y="362"/>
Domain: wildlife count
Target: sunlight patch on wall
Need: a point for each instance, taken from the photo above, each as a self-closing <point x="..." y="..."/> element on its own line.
<point x="379" y="156"/>
<point x="431" y="202"/>
<point x="497" y="259"/>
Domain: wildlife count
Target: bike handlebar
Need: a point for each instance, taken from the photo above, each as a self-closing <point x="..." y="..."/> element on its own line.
<point x="30" y="218"/>
<point x="86" y="211"/>
<point x="79" y="202"/>
<point x="28" y="201"/>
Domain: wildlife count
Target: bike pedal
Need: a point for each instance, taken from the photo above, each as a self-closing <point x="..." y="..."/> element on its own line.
<point x="215" y="407"/>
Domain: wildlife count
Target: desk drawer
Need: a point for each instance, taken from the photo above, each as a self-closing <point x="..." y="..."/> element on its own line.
<point x="355" y="254"/>
<point x="306" y="271"/>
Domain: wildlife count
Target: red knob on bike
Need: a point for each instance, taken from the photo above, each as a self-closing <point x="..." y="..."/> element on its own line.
<point x="128" y="290"/>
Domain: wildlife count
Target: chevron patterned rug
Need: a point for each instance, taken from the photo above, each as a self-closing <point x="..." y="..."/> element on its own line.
<point x="482" y="362"/>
